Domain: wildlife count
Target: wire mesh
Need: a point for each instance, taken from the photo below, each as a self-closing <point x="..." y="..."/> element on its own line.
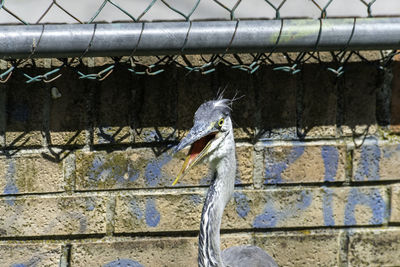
<point x="95" y="11"/>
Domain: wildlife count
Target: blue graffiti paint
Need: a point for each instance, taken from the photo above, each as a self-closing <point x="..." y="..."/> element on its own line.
<point x="135" y="209"/>
<point x="368" y="166"/>
<point x="18" y="265"/>
<point x="101" y="171"/>
<point x="152" y="214"/>
<point x="242" y="204"/>
<point x="271" y="216"/>
<point x="327" y="209"/>
<point x="153" y="173"/>
<point x="90" y="204"/>
<point x="10" y="188"/>
<point x="96" y="168"/>
<point x="330" y="155"/>
<point x="123" y="263"/>
<point x="369" y="197"/>
<point x="274" y="168"/>
<point x="391" y="151"/>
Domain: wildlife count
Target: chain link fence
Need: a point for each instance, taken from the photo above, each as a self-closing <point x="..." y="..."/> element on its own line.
<point x="53" y="11"/>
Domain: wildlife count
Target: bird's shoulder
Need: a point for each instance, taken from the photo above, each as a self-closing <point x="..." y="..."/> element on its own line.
<point x="246" y="256"/>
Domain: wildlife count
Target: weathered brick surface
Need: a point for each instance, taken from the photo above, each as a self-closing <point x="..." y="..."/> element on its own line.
<point x="14" y="253"/>
<point x="24" y="114"/>
<point x="68" y="112"/>
<point x="359" y="100"/>
<point x="49" y="216"/>
<point x="30" y="173"/>
<point x="302" y="163"/>
<point x="318" y="118"/>
<point x="313" y="207"/>
<point x="140" y="168"/>
<point x="147" y="251"/>
<point x="395" y="204"/>
<point x="395" y="99"/>
<point x="276" y="103"/>
<point x="113" y="109"/>
<point x="374" y="247"/>
<point x="374" y="161"/>
<point x="307" y="248"/>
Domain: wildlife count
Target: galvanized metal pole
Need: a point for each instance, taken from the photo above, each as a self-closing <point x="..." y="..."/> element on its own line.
<point x="205" y="37"/>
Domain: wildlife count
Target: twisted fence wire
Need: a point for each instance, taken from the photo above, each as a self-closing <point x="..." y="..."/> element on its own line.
<point x="291" y="63"/>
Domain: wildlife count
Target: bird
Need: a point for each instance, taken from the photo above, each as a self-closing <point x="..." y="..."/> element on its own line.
<point x="211" y="139"/>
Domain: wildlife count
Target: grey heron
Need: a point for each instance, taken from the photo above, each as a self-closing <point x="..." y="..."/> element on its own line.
<point x="211" y="137"/>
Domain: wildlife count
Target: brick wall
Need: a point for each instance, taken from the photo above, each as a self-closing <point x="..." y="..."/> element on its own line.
<point x="85" y="179"/>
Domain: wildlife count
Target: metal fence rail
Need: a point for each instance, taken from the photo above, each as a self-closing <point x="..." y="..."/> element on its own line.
<point x="169" y="42"/>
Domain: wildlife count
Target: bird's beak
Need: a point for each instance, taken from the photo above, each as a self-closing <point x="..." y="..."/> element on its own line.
<point x="200" y="141"/>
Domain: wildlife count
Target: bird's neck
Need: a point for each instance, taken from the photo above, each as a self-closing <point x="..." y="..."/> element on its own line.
<point x="219" y="194"/>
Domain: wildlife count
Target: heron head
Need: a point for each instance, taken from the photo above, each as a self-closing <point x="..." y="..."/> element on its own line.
<point x="212" y="123"/>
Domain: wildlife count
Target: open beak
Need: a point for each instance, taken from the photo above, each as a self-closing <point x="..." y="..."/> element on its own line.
<point x="200" y="142"/>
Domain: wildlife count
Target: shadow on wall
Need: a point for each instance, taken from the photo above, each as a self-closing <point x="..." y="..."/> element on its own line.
<point x="126" y="109"/>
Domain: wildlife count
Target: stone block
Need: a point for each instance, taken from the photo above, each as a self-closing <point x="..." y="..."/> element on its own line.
<point x="261" y="209"/>
<point x="24" y="109"/>
<point x="359" y="104"/>
<point x="52" y="216"/>
<point x="15" y="253"/>
<point x="303" y="163"/>
<point x="375" y="161"/>
<point x="68" y="112"/>
<point x="154" y="106"/>
<point x="30" y="173"/>
<point x="275" y="98"/>
<point x="395" y="99"/>
<point x="141" y="168"/>
<point x="319" y="105"/>
<point x="146" y="252"/>
<point x="113" y="109"/>
<point x="302" y="248"/>
<point x="163" y="251"/>
<point x="395" y="204"/>
<point x="374" y="247"/>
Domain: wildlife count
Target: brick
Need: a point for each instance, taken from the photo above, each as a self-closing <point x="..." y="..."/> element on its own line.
<point x="313" y="207"/>
<point x="111" y="124"/>
<point x="148" y="252"/>
<point x="156" y="134"/>
<point x="275" y="103"/>
<point x="395" y="98"/>
<point x="30" y="173"/>
<point x="377" y="247"/>
<point x="164" y="251"/>
<point x="395" y="204"/>
<point x="302" y="248"/>
<point x="318" y="118"/>
<point x="68" y="113"/>
<point x="29" y="254"/>
<point x="155" y="105"/>
<point x="375" y="161"/>
<point x="140" y="168"/>
<point x="359" y="92"/>
<point x="24" y="113"/>
<point x="303" y="163"/>
<point x="50" y="216"/>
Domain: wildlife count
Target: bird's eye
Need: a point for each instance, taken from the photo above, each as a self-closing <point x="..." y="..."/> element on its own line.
<point x="221" y="122"/>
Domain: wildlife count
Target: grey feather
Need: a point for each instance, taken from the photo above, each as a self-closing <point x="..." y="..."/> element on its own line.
<point x="246" y="256"/>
